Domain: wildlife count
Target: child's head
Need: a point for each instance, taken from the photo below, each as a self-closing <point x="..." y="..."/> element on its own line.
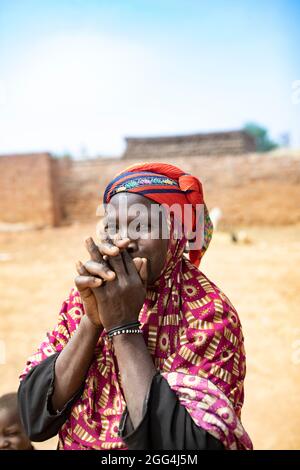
<point x="12" y="435"/>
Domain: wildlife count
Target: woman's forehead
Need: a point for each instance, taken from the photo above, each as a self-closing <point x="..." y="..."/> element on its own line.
<point x="130" y="199"/>
<point x="128" y="207"/>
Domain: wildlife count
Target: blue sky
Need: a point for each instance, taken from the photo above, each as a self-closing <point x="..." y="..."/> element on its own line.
<point x="79" y="76"/>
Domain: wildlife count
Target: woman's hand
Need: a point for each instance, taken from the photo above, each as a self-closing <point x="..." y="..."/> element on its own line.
<point x="120" y="300"/>
<point x="84" y="283"/>
<point x="94" y="272"/>
<point x="113" y="247"/>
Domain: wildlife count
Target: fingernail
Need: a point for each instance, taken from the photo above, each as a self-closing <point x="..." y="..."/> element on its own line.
<point x="114" y="248"/>
<point x="78" y="265"/>
<point x="123" y="240"/>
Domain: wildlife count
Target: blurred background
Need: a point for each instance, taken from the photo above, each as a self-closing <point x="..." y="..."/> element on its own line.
<point x="89" y="87"/>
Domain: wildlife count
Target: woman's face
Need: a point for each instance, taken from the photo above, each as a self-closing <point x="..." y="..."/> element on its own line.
<point x="145" y="233"/>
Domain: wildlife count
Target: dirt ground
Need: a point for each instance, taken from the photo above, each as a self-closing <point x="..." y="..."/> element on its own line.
<point x="262" y="279"/>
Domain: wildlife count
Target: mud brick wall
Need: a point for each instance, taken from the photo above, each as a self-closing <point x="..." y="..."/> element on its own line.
<point x="249" y="189"/>
<point x="27" y="190"/>
<point x="218" y="143"/>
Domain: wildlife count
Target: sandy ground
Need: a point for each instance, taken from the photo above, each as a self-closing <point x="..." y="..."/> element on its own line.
<point x="262" y="279"/>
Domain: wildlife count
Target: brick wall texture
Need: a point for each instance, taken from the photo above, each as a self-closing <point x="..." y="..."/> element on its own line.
<point x="250" y="189"/>
<point x="213" y="143"/>
<point x="27" y="190"/>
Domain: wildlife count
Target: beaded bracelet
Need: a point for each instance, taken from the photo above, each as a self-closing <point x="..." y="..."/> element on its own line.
<point x="133" y="324"/>
<point x="127" y="330"/>
<point x="132" y="327"/>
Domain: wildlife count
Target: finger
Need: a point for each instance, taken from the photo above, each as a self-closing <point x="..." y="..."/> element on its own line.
<point x="129" y="264"/>
<point x="107" y="248"/>
<point x="104" y="272"/>
<point x="112" y="247"/>
<point x="138" y="263"/>
<point x="117" y="264"/>
<point x="87" y="282"/>
<point x="99" y="269"/>
<point x="144" y="270"/>
<point x="81" y="269"/>
<point x="107" y="242"/>
<point x="93" y="250"/>
<point x="120" y="242"/>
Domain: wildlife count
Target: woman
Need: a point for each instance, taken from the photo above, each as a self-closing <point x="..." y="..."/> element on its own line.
<point x="147" y="353"/>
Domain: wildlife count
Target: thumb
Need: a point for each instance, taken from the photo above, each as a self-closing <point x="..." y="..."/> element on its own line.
<point x="144" y="270"/>
<point x="138" y="263"/>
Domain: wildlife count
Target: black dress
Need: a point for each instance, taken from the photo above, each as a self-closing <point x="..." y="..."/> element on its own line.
<point x="166" y="425"/>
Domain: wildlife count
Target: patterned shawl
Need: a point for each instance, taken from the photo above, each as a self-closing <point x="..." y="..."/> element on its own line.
<point x="195" y="339"/>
